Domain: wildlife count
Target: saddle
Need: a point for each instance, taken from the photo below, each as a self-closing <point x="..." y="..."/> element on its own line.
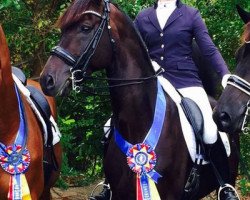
<point x="41" y="108"/>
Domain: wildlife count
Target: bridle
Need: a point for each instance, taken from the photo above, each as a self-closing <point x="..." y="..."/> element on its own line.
<point x="243" y="86"/>
<point x="80" y="64"/>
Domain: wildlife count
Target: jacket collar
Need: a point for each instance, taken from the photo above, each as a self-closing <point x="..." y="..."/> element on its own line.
<point x="178" y="4"/>
<point x="176" y="14"/>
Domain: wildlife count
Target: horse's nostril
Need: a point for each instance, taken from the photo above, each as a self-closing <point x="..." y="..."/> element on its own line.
<point x="50" y="82"/>
<point x="225" y="119"/>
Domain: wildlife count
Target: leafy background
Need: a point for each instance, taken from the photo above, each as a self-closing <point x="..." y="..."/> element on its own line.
<point x="30" y="31"/>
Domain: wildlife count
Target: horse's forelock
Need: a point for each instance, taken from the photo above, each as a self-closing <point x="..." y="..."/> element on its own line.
<point x="74" y="12"/>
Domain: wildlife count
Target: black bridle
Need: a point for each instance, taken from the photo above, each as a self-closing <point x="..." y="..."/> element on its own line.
<point x="243" y="86"/>
<point x="80" y="64"/>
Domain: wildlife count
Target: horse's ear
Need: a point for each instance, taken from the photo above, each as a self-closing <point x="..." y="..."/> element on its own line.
<point x="244" y="15"/>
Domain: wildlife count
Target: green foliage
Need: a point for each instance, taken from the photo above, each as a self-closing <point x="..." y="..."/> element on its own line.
<point x="29" y="26"/>
<point x="224" y="25"/>
<point x="244" y="186"/>
<point x="245" y="164"/>
<point x="132" y="7"/>
<point x="9" y="3"/>
<point x="81" y="120"/>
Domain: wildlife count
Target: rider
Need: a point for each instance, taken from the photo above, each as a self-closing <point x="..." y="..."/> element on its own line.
<point x="168" y="29"/>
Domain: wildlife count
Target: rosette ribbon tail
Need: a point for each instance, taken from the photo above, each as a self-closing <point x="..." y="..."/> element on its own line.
<point x="18" y="188"/>
<point x="25" y="188"/>
<point x="146" y="188"/>
<point x="154" y="175"/>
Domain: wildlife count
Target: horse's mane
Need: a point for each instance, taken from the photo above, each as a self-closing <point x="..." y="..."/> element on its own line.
<point x="246" y="34"/>
<point x="137" y="34"/>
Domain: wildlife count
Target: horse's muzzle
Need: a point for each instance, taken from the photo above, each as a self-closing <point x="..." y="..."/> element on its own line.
<point x="223" y="121"/>
<point x="48" y="84"/>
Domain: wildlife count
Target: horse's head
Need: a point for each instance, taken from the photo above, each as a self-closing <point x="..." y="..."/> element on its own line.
<point x="85" y="27"/>
<point x="229" y="113"/>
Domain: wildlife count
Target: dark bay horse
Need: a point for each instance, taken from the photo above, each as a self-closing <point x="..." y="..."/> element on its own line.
<point x="10" y="125"/>
<point x="96" y="35"/>
<point x="233" y="106"/>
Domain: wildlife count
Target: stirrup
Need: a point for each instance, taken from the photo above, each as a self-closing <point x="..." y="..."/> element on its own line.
<point x="225" y="186"/>
<point x="98" y="185"/>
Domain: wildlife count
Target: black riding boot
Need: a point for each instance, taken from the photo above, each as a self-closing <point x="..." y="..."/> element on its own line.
<point x="219" y="161"/>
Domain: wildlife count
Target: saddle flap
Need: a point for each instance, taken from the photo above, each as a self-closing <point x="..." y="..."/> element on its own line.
<point x="40" y="101"/>
<point x="19" y="74"/>
<point x="194" y="116"/>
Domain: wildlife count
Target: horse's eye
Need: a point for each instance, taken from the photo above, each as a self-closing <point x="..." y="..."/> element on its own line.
<point x="86" y="28"/>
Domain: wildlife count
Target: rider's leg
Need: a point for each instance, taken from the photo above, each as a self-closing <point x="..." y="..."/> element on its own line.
<point x="216" y="153"/>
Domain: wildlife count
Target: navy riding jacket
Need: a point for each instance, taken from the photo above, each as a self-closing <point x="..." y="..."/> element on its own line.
<point x="171" y="47"/>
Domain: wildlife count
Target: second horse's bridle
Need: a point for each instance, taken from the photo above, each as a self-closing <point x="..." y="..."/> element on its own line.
<point x="243" y="86"/>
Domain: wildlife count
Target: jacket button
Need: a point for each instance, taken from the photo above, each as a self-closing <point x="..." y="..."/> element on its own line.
<point x="162" y="58"/>
<point x="162" y="46"/>
<point x="161" y="34"/>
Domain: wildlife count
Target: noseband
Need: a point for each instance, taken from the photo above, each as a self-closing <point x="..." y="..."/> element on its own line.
<point x="244" y="86"/>
<point x="79" y="64"/>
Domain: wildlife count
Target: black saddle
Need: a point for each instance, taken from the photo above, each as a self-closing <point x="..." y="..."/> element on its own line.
<point x="37" y="96"/>
<point x="194" y="116"/>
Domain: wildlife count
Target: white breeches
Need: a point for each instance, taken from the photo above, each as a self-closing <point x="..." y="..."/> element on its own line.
<point x="199" y="96"/>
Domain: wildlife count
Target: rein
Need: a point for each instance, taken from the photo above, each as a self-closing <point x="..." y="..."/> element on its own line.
<point x="126" y="82"/>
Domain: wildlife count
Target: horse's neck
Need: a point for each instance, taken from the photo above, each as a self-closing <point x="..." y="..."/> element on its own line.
<point x="133" y="106"/>
<point x="9" y="113"/>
